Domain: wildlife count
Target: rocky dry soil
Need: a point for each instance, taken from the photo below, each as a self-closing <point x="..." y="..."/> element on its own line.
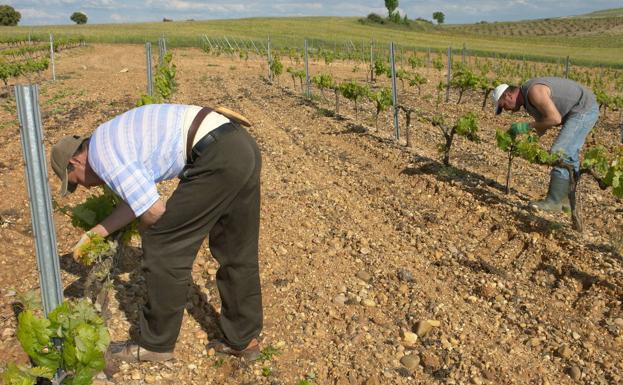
<point x="378" y="264"/>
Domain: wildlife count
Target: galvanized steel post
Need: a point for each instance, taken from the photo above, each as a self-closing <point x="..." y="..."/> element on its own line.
<point x="394" y="90"/>
<point x="463" y="55"/>
<point x="254" y="46"/>
<point x="162" y="50"/>
<point x="227" y="41"/>
<point x="307" y="90"/>
<point x="372" y="61"/>
<point x="449" y="74"/>
<point x="567" y="68"/>
<point x="236" y="43"/>
<point x="27" y="98"/>
<point x="209" y="42"/>
<point x="52" y="57"/>
<point x="270" y="62"/>
<point x="150" y="84"/>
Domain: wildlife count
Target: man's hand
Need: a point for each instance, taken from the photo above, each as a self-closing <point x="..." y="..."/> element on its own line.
<point x="519" y="128"/>
<point x="84" y="240"/>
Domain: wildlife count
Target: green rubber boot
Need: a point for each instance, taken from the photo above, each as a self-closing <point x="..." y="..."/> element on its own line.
<point x="557" y="198"/>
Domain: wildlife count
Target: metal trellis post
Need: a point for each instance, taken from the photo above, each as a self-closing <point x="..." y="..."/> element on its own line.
<point x="227" y="41"/>
<point x="307" y="89"/>
<point x="150" y="84"/>
<point x="254" y="46"/>
<point x="27" y="99"/>
<point x="52" y="57"/>
<point x="394" y="91"/>
<point x="567" y="68"/>
<point x="209" y="42"/>
<point x="372" y="61"/>
<point x="270" y="60"/>
<point x="162" y="50"/>
<point x="449" y="74"/>
<point x="236" y="43"/>
<point x="463" y="55"/>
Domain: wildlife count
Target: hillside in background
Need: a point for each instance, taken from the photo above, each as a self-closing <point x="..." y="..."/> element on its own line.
<point x="587" y="40"/>
<point x="617" y="12"/>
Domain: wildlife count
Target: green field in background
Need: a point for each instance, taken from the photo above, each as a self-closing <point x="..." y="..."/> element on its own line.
<point x="605" y="13"/>
<point x="587" y="50"/>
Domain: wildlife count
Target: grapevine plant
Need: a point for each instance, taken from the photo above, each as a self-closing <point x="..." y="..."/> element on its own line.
<point x="355" y="92"/>
<point x="523" y="146"/>
<point x="296" y="74"/>
<point x="276" y="68"/>
<point x="466" y="126"/>
<point x="606" y="169"/>
<point x="164" y="82"/>
<point x="464" y="80"/>
<point x="382" y="100"/>
<point x="88" y="214"/>
<point x="99" y="253"/>
<point x="70" y="341"/>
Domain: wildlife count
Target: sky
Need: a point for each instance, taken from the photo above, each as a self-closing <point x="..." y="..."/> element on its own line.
<point x="45" y="12"/>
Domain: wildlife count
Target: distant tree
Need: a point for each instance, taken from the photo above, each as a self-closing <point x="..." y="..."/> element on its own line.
<point x="9" y="16"/>
<point x="439" y="16"/>
<point x="391" y="6"/>
<point x="374" y="18"/>
<point x="79" y="18"/>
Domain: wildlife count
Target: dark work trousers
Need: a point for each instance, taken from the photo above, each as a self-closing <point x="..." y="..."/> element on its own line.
<point x="219" y="196"/>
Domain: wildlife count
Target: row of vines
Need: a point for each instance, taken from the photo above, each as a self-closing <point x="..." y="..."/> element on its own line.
<point x="468" y="76"/>
<point x="28" y="58"/>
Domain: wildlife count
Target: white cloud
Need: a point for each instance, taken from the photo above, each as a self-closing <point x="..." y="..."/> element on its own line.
<point x="298" y="7"/>
<point x="118" y="18"/>
<point x="39" y="13"/>
<point x="184" y="5"/>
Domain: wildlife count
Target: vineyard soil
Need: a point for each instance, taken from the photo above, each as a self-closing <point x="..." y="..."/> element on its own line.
<point x="362" y="240"/>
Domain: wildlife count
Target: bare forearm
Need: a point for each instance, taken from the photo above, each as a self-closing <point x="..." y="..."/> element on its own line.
<point x="541" y="126"/>
<point x="120" y="217"/>
<point x="152" y="215"/>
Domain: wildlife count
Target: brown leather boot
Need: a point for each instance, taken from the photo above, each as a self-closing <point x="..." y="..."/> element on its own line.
<point x="129" y="351"/>
<point x="250" y="353"/>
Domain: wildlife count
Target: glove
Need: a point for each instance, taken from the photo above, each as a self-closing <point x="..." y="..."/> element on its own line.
<point x="85" y="239"/>
<point x="519" y="128"/>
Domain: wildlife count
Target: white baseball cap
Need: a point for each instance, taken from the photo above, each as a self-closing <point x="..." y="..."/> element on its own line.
<point x="497" y="93"/>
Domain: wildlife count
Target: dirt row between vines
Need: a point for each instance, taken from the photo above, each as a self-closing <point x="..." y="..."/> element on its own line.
<point x="361" y="240"/>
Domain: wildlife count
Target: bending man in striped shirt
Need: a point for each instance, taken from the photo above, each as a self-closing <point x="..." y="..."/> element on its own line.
<point x="218" y="196"/>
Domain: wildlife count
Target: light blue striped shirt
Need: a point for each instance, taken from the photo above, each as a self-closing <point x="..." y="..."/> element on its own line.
<point x="137" y="149"/>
